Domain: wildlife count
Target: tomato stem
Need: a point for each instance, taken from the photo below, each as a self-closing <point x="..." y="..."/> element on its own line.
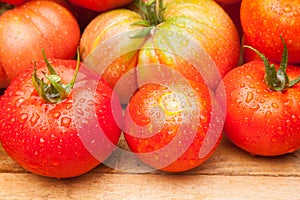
<point x="55" y="91"/>
<point x="4" y="7"/>
<point x="277" y="80"/>
<point x="151" y="13"/>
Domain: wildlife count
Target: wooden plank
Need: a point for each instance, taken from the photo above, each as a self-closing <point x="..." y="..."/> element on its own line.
<point x="227" y="160"/>
<point x="149" y="186"/>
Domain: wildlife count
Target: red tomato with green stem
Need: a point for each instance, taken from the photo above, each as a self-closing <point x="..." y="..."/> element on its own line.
<point x="263" y="21"/>
<point x="48" y="127"/>
<point x="31" y="27"/>
<point x="263" y="110"/>
<point x="161" y="29"/>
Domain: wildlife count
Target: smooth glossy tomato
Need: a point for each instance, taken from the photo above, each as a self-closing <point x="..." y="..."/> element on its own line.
<point x="263" y="22"/>
<point x="173" y="128"/>
<point x="31" y="27"/>
<point x="263" y="110"/>
<point x="100" y="5"/>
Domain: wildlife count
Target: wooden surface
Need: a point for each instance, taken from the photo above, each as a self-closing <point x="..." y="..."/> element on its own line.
<point x="229" y="174"/>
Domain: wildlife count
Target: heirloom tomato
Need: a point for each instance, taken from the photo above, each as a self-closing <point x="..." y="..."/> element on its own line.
<point x="263" y="21"/>
<point x="31" y="27"/>
<point x="49" y="121"/>
<point x="263" y="110"/>
<point x="180" y="34"/>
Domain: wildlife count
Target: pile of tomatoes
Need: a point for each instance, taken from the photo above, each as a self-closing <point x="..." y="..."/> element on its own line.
<point x="171" y="76"/>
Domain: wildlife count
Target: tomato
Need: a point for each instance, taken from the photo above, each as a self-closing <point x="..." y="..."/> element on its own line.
<point x="170" y="128"/>
<point x="31" y="27"/>
<point x="263" y="108"/>
<point x="263" y="21"/>
<point x="233" y="10"/>
<point x="228" y="1"/>
<point x="178" y="36"/>
<point x="14" y="2"/>
<point x="52" y="133"/>
<point x="100" y="5"/>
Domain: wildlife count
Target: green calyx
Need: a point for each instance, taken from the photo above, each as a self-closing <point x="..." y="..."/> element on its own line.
<point x="277" y="80"/>
<point x="152" y="14"/>
<point x="4" y="7"/>
<point x="54" y="91"/>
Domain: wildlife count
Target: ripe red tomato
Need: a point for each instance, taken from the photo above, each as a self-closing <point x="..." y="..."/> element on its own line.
<point x="100" y="5"/>
<point x="58" y="139"/>
<point x="263" y="21"/>
<point x="14" y="2"/>
<point x="263" y="112"/>
<point x="168" y="37"/>
<point x="228" y="1"/>
<point x="171" y="128"/>
<point x="31" y="27"/>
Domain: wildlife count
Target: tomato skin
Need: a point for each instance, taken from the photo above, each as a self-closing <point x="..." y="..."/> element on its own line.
<point x="100" y="5"/>
<point x="14" y="2"/>
<point x="31" y="27"/>
<point x="263" y="22"/>
<point x="205" y="23"/>
<point x="157" y="131"/>
<point x="228" y="1"/>
<point x="258" y="120"/>
<point x="45" y="138"/>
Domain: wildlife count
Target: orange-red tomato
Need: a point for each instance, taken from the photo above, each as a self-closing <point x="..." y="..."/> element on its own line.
<point x="31" y="27"/>
<point x="259" y="120"/>
<point x="263" y="22"/>
<point x="228" y="1"/>
<point x="173" y="128"/>
<point x="14" y="2"/>
<point x="100" y="5"/>
<point x="187" y="29"/>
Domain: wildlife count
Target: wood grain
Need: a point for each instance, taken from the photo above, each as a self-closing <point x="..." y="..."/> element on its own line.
<point x="229" y="174"/>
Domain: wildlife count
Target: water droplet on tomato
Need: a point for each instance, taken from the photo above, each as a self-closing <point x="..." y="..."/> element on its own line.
<point x="34" y="118"/>
<point x="56" y="115"/>
<point x="20" y="101"/>
<point x="42" y="142"/>
<point x="287" y="8"/>
<point x="184" y="42"/>
<point x="33" y="166"/>
<point x="44" y="129"/>
<point x="254" y="107"/>
<point x="55" y="162"/>
<point x="249" y="97"/>
<point x="274" y="139"/>
<point x="275" y="105"/>
<point x="23" y="117"/>
<point x="66" y="121"/>
<point x="181" y="24"/>
<point x="280" y="131"/>
<point x="192" y="162"/>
